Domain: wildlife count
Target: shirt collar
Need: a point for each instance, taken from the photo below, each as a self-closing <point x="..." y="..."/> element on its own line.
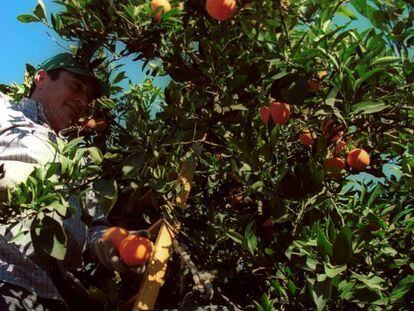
<point x="33" y="110"/>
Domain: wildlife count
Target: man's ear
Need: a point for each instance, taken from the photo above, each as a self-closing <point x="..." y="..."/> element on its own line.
<point x="40" y="79"/>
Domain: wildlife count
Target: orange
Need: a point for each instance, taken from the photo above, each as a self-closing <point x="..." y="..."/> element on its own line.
<point x="333" y="167"/>
<point x="280" y="112"/>
<point x="135" y="250"/>
<point x="221" y="9"/>
<point x="265" y="114"/>
<point x="358" y="159"/>
<point x="267" y="223"/>
<point x="116" y="235"/>
<point x="306" y="138"/>
<point x="340" y="147"/>
<point x="98" y="124"/>
<point x="164" y="6"/>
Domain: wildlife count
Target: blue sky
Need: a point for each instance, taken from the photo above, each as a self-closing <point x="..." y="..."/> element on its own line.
<point x="33" y="42"/>
<point x="23" y="43"/>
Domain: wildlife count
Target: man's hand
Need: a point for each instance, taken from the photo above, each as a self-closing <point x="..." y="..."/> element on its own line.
<point x="109" y="256"/>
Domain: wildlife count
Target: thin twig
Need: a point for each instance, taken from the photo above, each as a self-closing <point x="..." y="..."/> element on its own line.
<point x="190" y="142"/>
<point x="299" y="218"/>
<point x="228" y="301"/>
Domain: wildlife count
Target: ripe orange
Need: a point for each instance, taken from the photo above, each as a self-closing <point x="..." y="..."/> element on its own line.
<point x="340" y="147"/>
<point x="135" y="250"/>
<point x="98" y="124"/>
<point x="164" y="6"/>
<point x="221" y="9"/>
<point x="358" y="159"/>
<point x="333" y="167"/>
<point x="116" y="235"/>
<point x="306" y="138"/>
<point x="280" y="112"/>
<point x="265" y="114"/>
<point x="267" y="223"/>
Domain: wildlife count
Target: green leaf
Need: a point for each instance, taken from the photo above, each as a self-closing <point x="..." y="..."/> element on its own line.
<point x="331" y="56"/>
<point x="373" y="282"/>
<point x="266" y="303"/>
<point x="20" y="234"/>
<point x="309" y="264"/>
<point x="21" y="238"/>
<point x="401" y="214"/>
<point x="39" y="11"/>
<point x="49" y="237"/>
<point x="251" y="239"/>
<point x="56" y="22"/>
<point x="257" y="186"/>
<point x="107" y="193"/>
<point x="321" y="292"/>
<point x="248" y="29"/>
<point x="374" y="195"/>
<point x="360" y="6"/>
<point x="96" y="155"/>
<point x="119" y="77"/>
<point x="292" y="287"/>
<point x="367" y="75"/>
<point x="368" y="107"/>
<point x="333" y="271"/>
<point x="106" y="103"/>
<point x="402" y="288"/>
<point x="42" y="5"/>
<point x="342" y="247"/>
<point x="321" y="277"/>
<point x="239" y="107"/>
<point x="346" y="12"/>
<point x="61" y="209"/>
<point x="65" y="165"/>
<point x="27" y="18"/>
<point x="236" y="237"/>
<point x="385" y="60"/>
<point x="346" y="289"/>
<point x="133" y="165"/>
<point x="324" y="246"/>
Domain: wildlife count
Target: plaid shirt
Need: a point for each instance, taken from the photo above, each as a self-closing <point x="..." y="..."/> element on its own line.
<point x="24" y="136"/>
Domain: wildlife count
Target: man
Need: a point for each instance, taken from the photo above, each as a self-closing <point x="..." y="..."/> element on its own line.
<point x="62" y="91"/>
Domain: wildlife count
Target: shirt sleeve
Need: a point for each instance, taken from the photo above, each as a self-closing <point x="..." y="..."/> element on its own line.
<point x="23" y="146"/>
<point x="99" y="223"/>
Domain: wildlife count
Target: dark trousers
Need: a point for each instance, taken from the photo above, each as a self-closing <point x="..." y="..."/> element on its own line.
<point x="15" y="298"/>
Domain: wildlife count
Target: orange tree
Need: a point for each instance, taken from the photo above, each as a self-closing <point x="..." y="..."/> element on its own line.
<point x="262" y="217"/>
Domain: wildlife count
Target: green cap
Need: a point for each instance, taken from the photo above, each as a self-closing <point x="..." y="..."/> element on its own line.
<point x="73" y="64"/>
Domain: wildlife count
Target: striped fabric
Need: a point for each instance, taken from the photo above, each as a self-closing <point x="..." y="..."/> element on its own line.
<point x="24" y="136"/>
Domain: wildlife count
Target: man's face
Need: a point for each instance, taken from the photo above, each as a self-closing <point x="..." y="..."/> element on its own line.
<point x="64" y="100"/>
